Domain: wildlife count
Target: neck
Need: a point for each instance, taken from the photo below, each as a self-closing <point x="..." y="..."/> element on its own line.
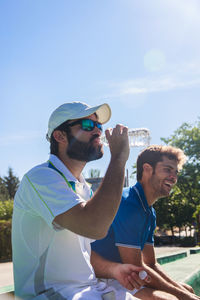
<point x="73" y="165"/>
<point x="149" y="193"/>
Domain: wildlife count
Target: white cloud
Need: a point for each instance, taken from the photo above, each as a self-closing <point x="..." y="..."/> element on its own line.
<point x="176" y="77"/>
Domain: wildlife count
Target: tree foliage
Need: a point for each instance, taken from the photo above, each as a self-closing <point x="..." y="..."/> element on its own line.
<point x="8" y="187"/>
<point x="3" y="191"/>
<point x="174" y="211"/>
<point x="11" y="183"/>
<point x="187" y="137"/>
<point x="6" y="209"/>
<point x="94" y="173"/>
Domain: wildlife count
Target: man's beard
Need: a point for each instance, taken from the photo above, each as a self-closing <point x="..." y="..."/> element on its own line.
<point x="83" y="151"/>
<point x="159" y="191"/>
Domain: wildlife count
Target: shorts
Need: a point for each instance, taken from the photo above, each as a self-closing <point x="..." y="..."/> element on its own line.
<point x="105" y="290"/>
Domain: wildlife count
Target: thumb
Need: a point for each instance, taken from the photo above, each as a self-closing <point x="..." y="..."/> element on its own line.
<point x="136" y="268"/>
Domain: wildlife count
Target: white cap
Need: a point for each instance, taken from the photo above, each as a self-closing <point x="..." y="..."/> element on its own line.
<point x="76" y="110"/>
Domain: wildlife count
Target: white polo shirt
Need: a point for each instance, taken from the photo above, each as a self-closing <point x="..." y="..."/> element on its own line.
<point x="47" y="260"/>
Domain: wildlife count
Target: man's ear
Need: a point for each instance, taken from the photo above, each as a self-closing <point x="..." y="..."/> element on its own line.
<point x="147" y="168"/>
<point x="59" y="136"/>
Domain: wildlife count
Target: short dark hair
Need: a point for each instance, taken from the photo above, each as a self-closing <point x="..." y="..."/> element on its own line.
<point x="53" y="142"/>
<point x="154" y="154"/>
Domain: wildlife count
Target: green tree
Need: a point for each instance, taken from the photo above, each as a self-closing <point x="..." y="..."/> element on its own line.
<point x="11" y="182"/>
<point x="187" y="137"/>
<point x="6" y="209"/>
<point x="3" y="191"/>
<point x="94" y="173"/>
<point x="174" y="211"/>
<point x="164" y="219"/>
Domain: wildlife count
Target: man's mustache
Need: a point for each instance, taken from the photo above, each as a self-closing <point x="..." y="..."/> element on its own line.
<point x="94" y="137"/>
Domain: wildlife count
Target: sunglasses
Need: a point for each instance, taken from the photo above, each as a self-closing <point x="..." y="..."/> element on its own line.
<point x="87" y="124"/>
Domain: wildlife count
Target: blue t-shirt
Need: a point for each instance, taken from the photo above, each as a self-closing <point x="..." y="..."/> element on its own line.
<point x="133" y="226"/>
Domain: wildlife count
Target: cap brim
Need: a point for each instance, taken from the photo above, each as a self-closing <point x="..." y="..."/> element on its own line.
<point x="103" y="112"/>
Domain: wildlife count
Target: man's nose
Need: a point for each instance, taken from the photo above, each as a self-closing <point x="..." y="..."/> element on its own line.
<point x="96" y="130"/>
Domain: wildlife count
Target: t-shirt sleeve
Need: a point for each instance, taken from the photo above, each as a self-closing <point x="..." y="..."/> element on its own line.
<point x="46" y="194"/>
<point x="128" y="225"/>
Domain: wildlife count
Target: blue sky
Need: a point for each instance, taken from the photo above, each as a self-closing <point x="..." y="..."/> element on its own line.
<point x="141" y="57"/>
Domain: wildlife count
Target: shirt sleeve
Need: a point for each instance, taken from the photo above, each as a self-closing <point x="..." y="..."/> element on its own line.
<point x="46" y="194"/>
<point x="128" y="225"/>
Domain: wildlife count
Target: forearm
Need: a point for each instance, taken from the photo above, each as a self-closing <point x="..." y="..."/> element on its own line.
<point x="102" y="267"/>
<point x="105" y="202"/>
<point x="165" y="276"/>
<point x="162" y="282"/>
<point x="180" y="285"/>
<point x="126" y="274"/>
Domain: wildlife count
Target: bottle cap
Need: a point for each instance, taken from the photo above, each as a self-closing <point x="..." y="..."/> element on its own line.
<point x="142" y="275"/>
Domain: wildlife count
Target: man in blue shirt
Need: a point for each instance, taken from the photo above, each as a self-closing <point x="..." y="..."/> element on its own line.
<point x="130" y="238"/>
<point x="133" y="225"/>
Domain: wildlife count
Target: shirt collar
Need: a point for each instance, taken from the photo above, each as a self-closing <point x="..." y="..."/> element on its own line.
<point x="141" y="195"/>
<point x="79" y="184"/>
<point x="61" y="167"/>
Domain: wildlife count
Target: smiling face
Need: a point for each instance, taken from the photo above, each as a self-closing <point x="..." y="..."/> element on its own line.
<point x="164" y="177"/>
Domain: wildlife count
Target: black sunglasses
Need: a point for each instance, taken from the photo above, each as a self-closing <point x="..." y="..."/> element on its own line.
<point x="87" y="124"/>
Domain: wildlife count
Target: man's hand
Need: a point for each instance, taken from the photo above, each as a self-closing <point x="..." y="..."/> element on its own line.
<point x="128" y="276"/>
<point x="187" y="287"/>
<point x="118" y="142"/>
